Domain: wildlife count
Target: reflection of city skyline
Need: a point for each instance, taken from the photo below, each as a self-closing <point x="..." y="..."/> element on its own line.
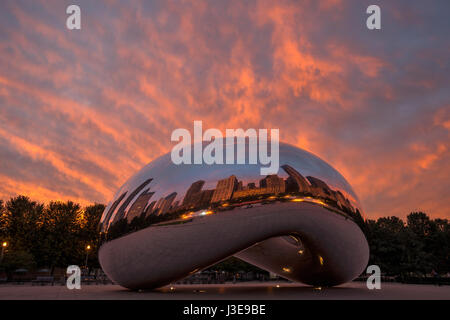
<point x="229" y="189"/>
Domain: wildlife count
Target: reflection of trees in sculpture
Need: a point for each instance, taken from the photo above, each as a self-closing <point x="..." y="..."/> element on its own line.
<point x="228" y="194"/>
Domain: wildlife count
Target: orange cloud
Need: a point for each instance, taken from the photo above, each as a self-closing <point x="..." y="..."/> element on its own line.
<point x="82" y="111"/>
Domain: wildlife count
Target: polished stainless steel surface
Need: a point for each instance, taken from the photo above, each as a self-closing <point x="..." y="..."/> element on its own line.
<point x="169" y="220"/>
<point x="161" y="188"/>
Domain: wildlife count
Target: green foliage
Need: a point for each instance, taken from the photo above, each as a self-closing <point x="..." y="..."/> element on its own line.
<point x="14" y="260"/>
<point x="89" y="234"/>
<point x="55" y="235"/>
<point x="387" y="242"/>
<point x="419" y="246"/>
<point x="61" y="232"/>
<point x="2" y="229"/>
<point x="19" y="223"/>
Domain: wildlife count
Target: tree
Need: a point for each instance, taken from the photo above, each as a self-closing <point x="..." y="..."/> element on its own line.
<point x="387" y="241"/>
<point x="90" y="232"/>
<point x="419" y="256"/>
<point x="440" y="245"/>
<point x="61" y="245"/>
<point x="420" y="246"/>
<point x="55" y="235"/>
<point x="2" y="222"/>
<point x="17" y="259"/>
<point x="420" y="224"/>
<point x="21" y="224"/>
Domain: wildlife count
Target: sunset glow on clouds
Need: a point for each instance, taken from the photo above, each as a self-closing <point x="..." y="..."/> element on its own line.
<point x="81" y="111"/>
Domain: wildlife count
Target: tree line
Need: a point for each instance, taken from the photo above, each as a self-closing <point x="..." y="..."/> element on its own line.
<point x="419" y="246"/>
<point x="58" y="234"/>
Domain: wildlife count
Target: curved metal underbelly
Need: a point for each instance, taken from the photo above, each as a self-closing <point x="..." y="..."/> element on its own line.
<point x="333" y="249"/>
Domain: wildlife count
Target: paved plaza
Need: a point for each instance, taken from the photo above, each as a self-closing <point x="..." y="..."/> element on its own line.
<point x="239" y="291"/>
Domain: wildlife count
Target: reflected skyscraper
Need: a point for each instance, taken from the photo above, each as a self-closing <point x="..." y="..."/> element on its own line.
<point x="166" y="203"/>
<point x="201" y="199"/>
<point x="274" y="184"/>
<point x="121" y="212"/>
<point x="246" y="215"/>
<point x="139" y="205"/>
<point x="296" y="180"/>
<point x="225" y="189"/>
<point x="111" y="210"/>
<point x="196" y="187"/>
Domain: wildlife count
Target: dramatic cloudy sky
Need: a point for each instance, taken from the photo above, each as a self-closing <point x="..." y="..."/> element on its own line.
<point x="81" y="111"/>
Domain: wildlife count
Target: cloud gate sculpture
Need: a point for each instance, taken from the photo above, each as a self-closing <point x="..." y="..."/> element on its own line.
<point x="169" y="221"/>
